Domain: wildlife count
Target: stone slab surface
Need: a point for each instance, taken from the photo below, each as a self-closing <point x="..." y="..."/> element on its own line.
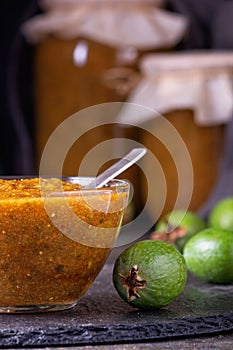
<point x="101" y="317"/>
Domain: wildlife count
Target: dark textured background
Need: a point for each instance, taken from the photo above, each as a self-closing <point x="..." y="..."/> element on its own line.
<point x="210" y="28"/>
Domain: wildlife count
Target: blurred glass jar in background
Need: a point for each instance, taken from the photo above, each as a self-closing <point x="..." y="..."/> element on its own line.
<point x="87" y="53"/>
<point x="193" y="91"/>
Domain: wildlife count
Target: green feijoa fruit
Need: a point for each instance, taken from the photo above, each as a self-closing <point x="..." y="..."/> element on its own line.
<point x="150" y="274"/>
<point x="177" y="227"/>
<point x="209" y="255"/>
<point x="221" y="216"/>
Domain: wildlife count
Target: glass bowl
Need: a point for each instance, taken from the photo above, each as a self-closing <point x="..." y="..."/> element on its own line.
<point x="55" y="237"/>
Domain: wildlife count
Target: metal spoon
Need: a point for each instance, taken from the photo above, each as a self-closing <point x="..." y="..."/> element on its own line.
<point x="117" y="168"/>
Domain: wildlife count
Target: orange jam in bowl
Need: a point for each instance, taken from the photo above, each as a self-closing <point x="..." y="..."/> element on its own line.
<point x="55" y="236"/>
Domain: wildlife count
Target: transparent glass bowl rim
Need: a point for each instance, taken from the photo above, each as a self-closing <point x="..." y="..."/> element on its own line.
<point x="115" y="185"/>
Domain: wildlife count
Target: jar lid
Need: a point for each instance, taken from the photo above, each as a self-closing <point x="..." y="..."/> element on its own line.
<point x="138" y="24"/>
<point x="53" y="3"/>
<point x="186" y="61"/>
<point x="201" y="81"/>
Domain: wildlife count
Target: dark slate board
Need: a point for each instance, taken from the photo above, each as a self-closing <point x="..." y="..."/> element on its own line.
<point x="101" y="316"/>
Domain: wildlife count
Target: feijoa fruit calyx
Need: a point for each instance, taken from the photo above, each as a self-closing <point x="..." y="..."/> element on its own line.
<point x="150" y="274"/>
<point x="177" y="227"/>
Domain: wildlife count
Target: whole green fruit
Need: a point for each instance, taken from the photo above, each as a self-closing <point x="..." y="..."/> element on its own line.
<point x="150" y="274"/>
<point x="209" y="255"/>
<point x="177" y="227"/>
<point x="221" y="215"/>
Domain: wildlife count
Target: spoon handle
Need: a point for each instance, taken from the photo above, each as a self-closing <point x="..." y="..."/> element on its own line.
<point x="118" y="168"/>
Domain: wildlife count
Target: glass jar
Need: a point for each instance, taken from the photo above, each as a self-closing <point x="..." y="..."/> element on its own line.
<point x="87" y="53"/>
<point x="193" y="92"/>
